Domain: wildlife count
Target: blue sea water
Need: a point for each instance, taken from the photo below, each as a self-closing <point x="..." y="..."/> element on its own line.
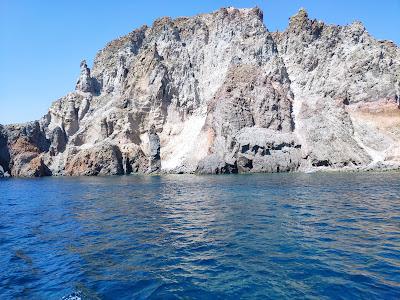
<point x="270" y="236"/>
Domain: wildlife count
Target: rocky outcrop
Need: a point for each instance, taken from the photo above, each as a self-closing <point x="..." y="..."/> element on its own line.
<point x="23" y="149"/>
<point x="58" y="141"/>
<point x="154" y="151"/>
<point x="85" y="82"/>
<point x="133" y="159"/>
<point x="105" y="159"/>
<point x="4" y="151"/>
<point x="218" y="93"/>
<point x="334" y="71"/>
<point x="215" y="164"/>
<point x="264" y="150"/>
<point x="249" y="113"/>
<point x="27" y="160"/>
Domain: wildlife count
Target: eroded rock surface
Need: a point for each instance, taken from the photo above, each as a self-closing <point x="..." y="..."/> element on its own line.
<point x="27" y="160"/>
<point x="104" y="159"/>
<point x="154" y="151"/>
<point x="218" y="93"/>
<point x="335" y="71"/>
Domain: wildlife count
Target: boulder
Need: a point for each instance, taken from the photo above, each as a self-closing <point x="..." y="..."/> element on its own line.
<point x="214" y="164"/>
<point x="27" y="160"/>
<point x="104" y="159"/>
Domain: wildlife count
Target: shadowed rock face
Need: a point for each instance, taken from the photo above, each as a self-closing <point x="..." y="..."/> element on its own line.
<point x="218" y="93"/>
<point x="154" y="151"/>
<point x="4" y="151"/>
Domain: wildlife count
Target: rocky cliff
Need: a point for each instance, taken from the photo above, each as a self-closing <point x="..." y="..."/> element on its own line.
<point x="218" y="93"/>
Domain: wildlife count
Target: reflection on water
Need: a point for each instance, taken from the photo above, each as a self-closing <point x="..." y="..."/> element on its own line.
<point x="241" y="236"/>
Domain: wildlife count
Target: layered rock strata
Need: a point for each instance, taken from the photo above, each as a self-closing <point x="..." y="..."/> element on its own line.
<point x="218" y="93"/>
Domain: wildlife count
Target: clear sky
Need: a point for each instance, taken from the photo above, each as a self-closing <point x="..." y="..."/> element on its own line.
<point x="42" y="42"/>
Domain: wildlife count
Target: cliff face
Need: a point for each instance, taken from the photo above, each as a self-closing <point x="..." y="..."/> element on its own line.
<point x="218" y="93"/>
<point x="346" y="85"/>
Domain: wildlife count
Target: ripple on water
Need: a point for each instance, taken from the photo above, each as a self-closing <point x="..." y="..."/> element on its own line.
<point x="277" y="236"/>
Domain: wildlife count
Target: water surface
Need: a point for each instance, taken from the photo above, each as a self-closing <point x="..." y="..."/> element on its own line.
<point x="271" y="236"/>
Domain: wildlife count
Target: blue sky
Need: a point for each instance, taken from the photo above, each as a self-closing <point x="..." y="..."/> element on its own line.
<point x="43" y="42"/>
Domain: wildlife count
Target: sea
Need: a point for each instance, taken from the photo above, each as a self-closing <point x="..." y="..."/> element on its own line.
<point x="265" y="236"/>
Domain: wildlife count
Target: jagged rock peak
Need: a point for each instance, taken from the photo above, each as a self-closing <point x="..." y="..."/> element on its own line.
<point x="84" y="68"/>
<point x="299" y="17"/>
<point x="357" y="28"/>
<point x="233" y="11"/>
<point x="300" y="20"/>
<point x="85" y="82"/>
<point x="243" y="12"/>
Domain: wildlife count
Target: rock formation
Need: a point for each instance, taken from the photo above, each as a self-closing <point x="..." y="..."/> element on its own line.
<point x="85" y="82"/>
<point x="218" y="93"/>
<point x="154" y="151"/>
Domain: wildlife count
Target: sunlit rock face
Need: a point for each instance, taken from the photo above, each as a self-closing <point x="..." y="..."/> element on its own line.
<point x="337" y="73"/>
<point x="218" y="93"/>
